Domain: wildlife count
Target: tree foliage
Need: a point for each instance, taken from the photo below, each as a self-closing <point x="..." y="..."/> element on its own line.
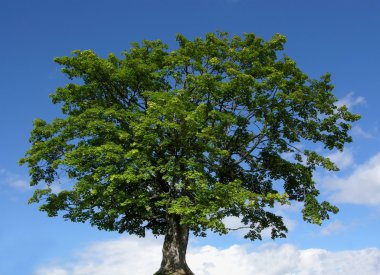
<point x="208" y="131"/>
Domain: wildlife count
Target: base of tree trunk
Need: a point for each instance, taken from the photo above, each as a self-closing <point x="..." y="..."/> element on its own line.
<point x="174" y="249"/>
<point x="178" y="271"/>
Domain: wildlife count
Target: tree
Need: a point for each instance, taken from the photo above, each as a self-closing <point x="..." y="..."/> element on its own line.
<point x="176" y="141"/>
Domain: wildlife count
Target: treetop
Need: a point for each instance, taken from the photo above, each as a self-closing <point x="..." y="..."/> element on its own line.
<point x="202" y="132"/>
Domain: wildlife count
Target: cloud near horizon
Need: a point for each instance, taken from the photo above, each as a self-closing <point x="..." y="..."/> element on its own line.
<point x="131" y="255"/>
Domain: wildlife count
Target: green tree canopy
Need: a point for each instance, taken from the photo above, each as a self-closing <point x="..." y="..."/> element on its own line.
<point x="176" y="141"/>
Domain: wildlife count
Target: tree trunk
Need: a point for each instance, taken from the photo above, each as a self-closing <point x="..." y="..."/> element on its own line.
<point x="174" y="249"/>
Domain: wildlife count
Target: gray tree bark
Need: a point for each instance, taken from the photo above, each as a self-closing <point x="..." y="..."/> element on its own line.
<point x="174" y="249"/>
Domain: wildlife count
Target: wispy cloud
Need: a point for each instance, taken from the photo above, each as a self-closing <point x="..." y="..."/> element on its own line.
<point x="333" y="228"/>
<point x="362" y="186"/>
<point x="357" y="131"/>
<point x="142" y="256"/>
<point x="18" y="183"/>
<point x="13" y="180"/>
<point x="281" y="210"/>
<point x="343" y="159"/>
<point x="350" y="100"/>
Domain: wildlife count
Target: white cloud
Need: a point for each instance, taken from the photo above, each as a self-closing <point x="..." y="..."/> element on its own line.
<point x="131" y="255"/>
<point x="52" y="271"/>
<point x="289" y="223"/>
<point x="124" y="256"/>
<point x="13" y="180"/>
<point x="234" y="223"/>
<point x="281" y="210"/>
<point x="333" y="228"/>
<point x="56" y="187"/>
<point x="343" y="159"/>
<point x="359" y="132"/>
<point x="350" y="100"/>
<point x="362" y="186"/>
<point x="18" y="183"/>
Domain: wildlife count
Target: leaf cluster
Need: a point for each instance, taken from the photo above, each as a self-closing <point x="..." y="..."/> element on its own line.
<point x="200" y="132"/>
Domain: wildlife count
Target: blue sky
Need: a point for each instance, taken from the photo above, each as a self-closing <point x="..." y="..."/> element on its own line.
<point x="340" y="37"/>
